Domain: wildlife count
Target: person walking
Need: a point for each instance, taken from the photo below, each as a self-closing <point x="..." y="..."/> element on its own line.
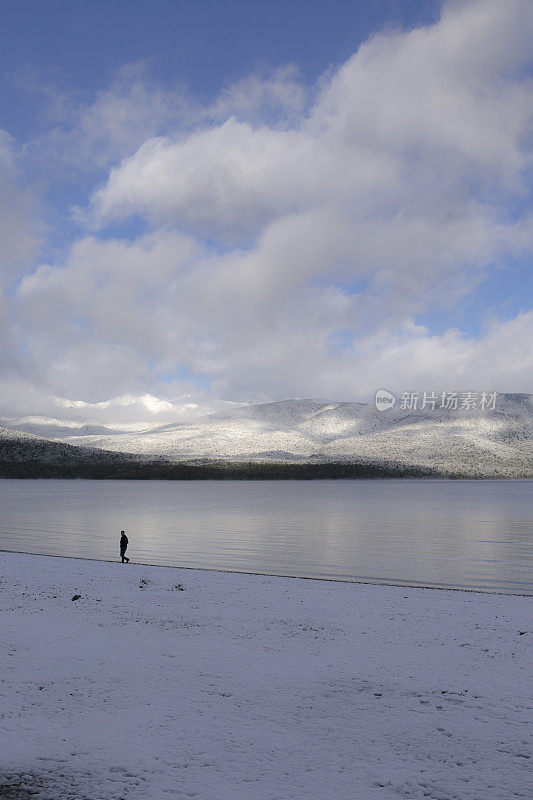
<point x="123" y="547"/>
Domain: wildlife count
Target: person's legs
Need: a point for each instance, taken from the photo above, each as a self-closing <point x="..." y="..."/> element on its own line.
<point x="123" y="554"/>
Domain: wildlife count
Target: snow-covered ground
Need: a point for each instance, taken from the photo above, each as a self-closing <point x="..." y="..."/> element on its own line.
<point x="248" y="687"/>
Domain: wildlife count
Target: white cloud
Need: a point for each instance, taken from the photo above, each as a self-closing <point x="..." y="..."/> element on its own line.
<point x="22" y="398"/>
<point x="18" y="235"/>
<point x="81" y="134"/>
<point x="225" y="180"/>
<point x="102" y="313"/>
<point x="297" y="360"/>
<point x="279" y="96"/>
<point x="451" y="96"/>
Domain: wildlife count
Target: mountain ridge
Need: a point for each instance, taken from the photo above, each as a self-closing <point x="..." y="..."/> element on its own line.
<point x="490" y="443"/>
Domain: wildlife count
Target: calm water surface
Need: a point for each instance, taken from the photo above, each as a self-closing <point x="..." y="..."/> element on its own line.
<point x="465" y="534"/>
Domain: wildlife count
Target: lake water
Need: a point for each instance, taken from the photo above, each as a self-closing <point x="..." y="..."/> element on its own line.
<point x="463" y="534"/>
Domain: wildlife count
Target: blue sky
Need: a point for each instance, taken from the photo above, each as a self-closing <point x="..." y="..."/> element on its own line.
<point x="208" y="202"/>
<point x="203" y="44"/>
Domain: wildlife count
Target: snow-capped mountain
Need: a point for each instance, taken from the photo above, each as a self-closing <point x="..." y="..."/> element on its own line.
<point x="492" y="443"/>
<point x="17" y="447"/>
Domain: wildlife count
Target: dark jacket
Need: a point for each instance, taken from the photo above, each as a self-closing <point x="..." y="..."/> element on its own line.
<point x="124" y="540"/>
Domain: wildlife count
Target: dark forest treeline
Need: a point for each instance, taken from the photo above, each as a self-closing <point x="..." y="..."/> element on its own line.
<point x="41" y="458"/>
<point x="128" y="470"/>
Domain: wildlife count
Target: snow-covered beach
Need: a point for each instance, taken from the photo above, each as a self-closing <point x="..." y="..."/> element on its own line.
<point x="253" y="687"/>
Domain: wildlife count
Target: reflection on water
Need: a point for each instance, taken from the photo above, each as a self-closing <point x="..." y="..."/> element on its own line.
<point x="469" y="534"/>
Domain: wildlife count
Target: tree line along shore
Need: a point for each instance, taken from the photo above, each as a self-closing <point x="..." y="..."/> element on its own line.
<point x="132" y="470"/>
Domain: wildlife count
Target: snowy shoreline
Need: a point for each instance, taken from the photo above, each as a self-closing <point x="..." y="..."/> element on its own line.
<point x="369" y="581"/>
<point x="255" y="687"/>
